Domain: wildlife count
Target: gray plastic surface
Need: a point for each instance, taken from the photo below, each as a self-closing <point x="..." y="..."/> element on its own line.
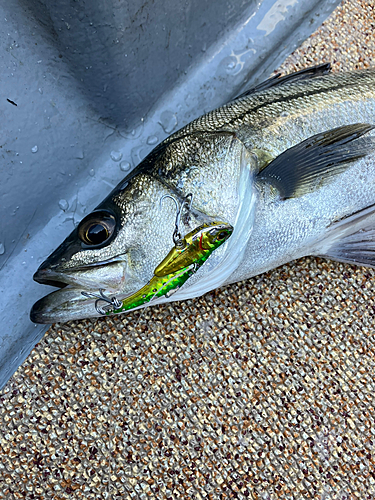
<point x="88" y="90"/>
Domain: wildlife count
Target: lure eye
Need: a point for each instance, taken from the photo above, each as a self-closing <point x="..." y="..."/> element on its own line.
<point x="96" y="228"/>
<point x="180" y="244"/>
<point x="221" y="235"/>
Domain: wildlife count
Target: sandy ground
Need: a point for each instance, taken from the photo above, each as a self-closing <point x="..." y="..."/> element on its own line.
<point x="262" y="390"/>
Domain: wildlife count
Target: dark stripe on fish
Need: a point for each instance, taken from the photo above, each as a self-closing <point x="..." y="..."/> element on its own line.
<point x="290" y="98"/>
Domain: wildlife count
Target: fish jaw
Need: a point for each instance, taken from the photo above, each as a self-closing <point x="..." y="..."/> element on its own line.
<point x="111" y="274"/>
<point x="70" y="303"/>
<point x="63" y="305"/>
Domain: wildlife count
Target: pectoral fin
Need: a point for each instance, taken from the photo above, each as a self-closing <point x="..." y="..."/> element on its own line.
<point x="317" y="160"/>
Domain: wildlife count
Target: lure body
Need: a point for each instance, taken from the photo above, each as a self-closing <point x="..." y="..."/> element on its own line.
<point x="180" y="264"/>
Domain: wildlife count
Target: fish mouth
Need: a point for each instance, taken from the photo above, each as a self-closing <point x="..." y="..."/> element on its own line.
<point x="48" y="277"/>
<point x="69" y="302"/>
<point x="60" y="306"/>
<point x="51" y="275"/>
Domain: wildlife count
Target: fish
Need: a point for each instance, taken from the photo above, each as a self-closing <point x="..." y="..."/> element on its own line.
<point x="286" y="167"/>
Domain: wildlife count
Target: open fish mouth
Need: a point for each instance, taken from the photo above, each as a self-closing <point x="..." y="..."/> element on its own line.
<point x="183" y="261"/>
<point x="72" y="300"/>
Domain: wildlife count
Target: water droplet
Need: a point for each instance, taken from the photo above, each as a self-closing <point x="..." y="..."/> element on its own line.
<point x="80" y="154"/>
<point x="137" y="154"/>
<point x="34" y="149"/>
<point x="125" y="166"/>
<point x="92" y="172"/>
<point x="168" y="121"/>
<point x="116" y="155"/>
<point x="2" y="249"/>
<point x="64" y="205"/>
<point x="152" y="140"/>
<point x="133" y="133"/>
<point x="188" y="100"/>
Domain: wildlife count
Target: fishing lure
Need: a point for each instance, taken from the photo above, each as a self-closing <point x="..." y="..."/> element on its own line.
<point x="184" y="259"/>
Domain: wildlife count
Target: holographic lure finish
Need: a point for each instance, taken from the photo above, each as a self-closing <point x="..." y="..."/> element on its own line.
<point x="189" y="254"/>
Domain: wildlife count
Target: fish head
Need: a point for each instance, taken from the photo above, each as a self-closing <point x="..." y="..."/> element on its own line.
<point x="115" y="248"/>
<point x="119" y="245"/>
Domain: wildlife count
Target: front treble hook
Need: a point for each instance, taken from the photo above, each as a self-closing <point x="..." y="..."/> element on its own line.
<point x="177" y="237"/>
<point x="112" y="303"/>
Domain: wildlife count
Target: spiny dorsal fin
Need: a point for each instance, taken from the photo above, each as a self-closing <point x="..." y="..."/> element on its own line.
<point x="276" y="80"/>
<point x="319" y="158"/>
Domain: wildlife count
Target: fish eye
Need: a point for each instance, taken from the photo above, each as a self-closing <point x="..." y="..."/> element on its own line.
<point x="96" y="233"/>
<point x="96" y="228"/>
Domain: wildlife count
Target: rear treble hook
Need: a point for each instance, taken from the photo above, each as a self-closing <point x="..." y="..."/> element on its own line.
<point x="112" y="303"/>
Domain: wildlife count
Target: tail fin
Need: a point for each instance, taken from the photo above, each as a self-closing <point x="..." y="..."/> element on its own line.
<point x="351" y="239"/>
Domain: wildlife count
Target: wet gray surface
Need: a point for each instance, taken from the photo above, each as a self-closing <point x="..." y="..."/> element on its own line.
<point x="88" y="91"/>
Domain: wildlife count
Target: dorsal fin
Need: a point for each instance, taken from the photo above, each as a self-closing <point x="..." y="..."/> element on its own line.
<point x="277" y="80"/>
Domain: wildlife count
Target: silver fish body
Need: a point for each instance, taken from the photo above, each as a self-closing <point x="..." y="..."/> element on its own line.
<point x="289" y="165"/>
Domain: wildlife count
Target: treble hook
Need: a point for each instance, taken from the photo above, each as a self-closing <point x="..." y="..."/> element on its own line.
<point x="113" y="301"/>
<point x="176" y="233"/>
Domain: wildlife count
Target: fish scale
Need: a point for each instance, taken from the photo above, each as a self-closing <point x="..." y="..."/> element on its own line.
<point x="293" y="96"/>
<point x="283" y="164"/>
<point x="285" y="231"/>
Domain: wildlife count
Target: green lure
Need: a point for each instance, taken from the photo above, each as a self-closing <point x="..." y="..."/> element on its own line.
<point x="180" y="264"/>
